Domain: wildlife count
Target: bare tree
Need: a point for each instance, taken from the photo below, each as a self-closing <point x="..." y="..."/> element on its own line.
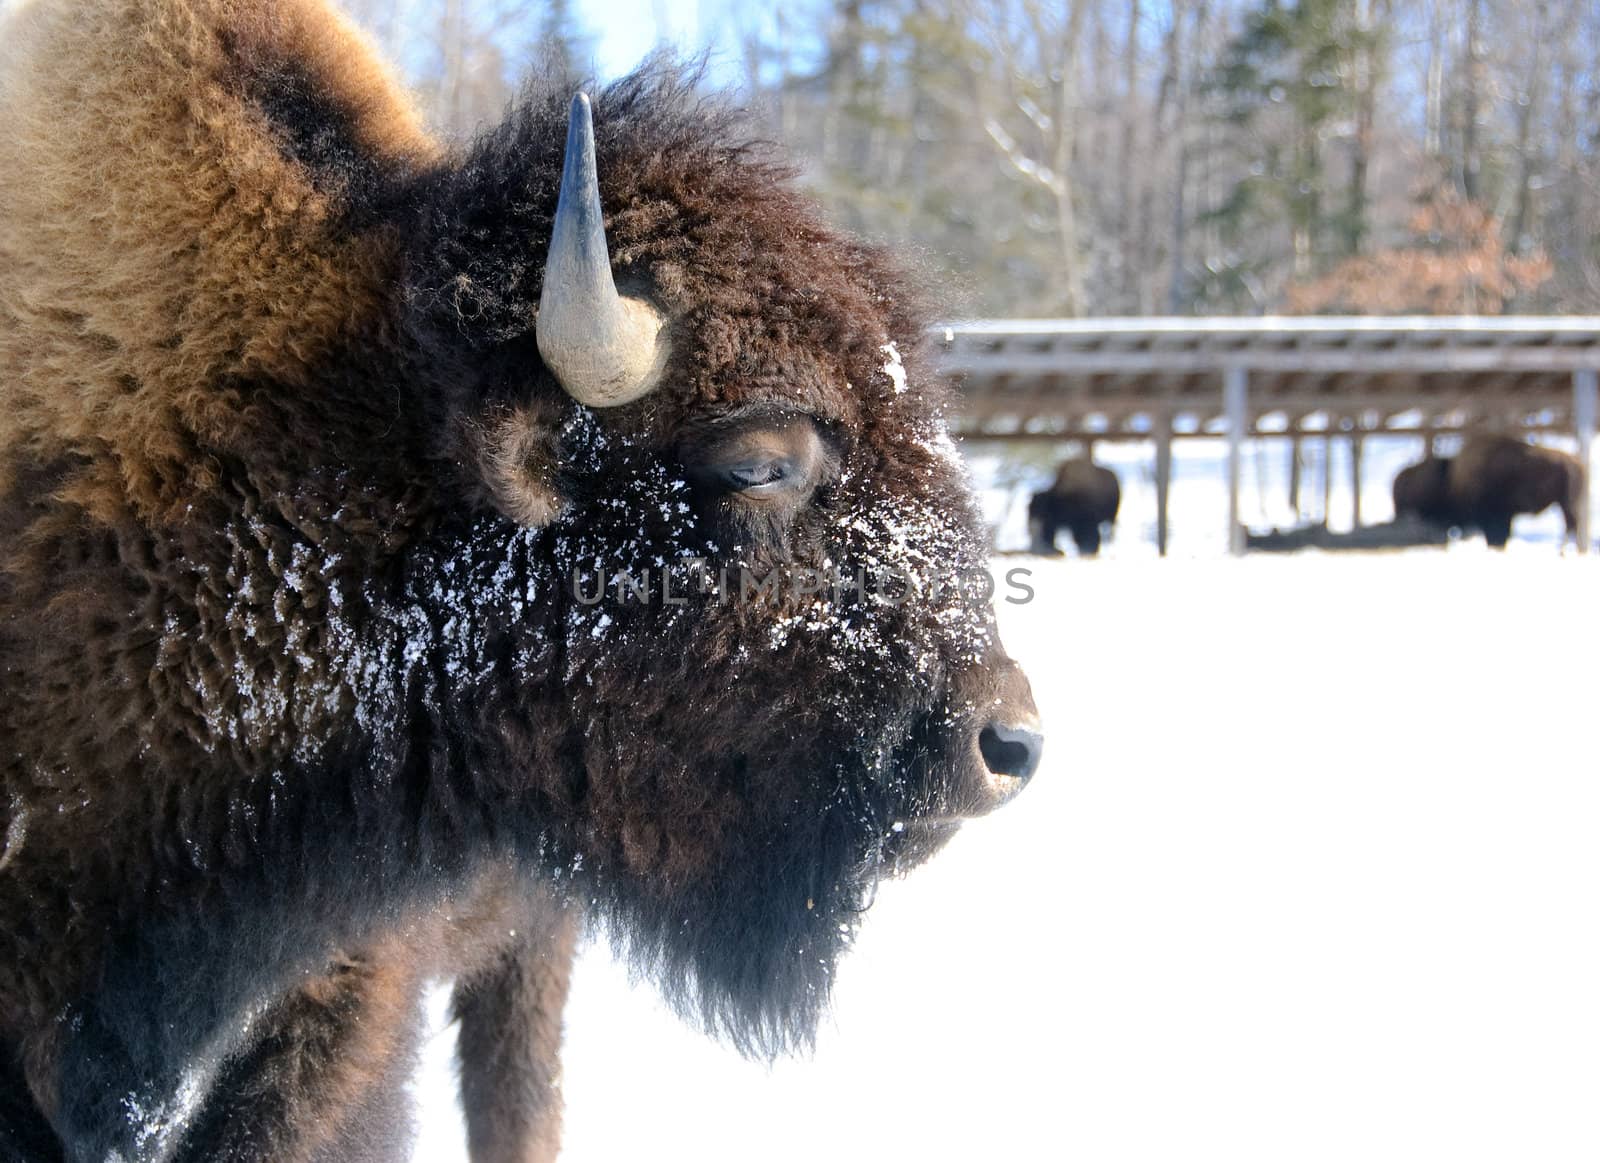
<point x="1072" y="157"/>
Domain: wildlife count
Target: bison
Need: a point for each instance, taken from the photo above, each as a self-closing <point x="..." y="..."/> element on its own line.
<point x="1084" y="497"/>
<point x="1489" y="482"/>
<point x="412" y="554"/>
<point x="1422" y="490"/>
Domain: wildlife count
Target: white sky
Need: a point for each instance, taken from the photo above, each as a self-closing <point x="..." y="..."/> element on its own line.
<point x="625" y="30"/>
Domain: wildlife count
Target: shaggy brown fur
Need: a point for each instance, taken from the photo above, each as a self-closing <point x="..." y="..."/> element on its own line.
<point x="196" y="258"/>
<point x="300" y="702"/>
<point x="1488" y="483"/>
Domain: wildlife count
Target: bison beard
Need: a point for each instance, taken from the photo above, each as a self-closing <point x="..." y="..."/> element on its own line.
<point x="731" y="864"/>
<point x="302" y="703"/>
<point x="748" y="937"/>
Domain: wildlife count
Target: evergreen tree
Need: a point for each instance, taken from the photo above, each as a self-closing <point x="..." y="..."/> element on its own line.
<point x="1294" y="80"/>
<point x="561" y="47"/>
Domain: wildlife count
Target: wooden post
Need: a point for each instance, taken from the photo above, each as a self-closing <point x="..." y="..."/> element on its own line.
<point x="1163" y="478"/>
<point x="1327" y="471"/>
<point x="1235" y="401"/>
<point x="1584" y="407"/>
<point x="1358" y="442"/>
<point x="1294" y="475"/>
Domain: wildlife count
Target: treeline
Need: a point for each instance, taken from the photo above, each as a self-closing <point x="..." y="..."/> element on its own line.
<point x="463" y="58"/>
<point x="1090" y="157"/>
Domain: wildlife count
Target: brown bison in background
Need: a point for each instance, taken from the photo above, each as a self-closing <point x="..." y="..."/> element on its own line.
<point x="1083" y="499"/>
<point x="1422" y="490"/>
<point x="319" y="442"/>
<point x="1489" y="482"/>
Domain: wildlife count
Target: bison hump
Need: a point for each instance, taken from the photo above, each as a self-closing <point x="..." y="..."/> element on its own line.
<point x="188" y="196"/>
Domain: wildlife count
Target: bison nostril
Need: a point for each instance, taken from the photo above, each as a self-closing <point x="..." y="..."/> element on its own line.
<point x="1009" y="750"/>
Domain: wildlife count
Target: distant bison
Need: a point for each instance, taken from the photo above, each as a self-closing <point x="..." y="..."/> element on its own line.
<point x="1489" y="482"/>
<point x="1084" y="498"/>
<point x="1423" y="490"/>
<point x="408" y="553"/>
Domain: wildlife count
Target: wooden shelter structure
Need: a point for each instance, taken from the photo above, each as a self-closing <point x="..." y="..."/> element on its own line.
<point x="1289" y="378"/>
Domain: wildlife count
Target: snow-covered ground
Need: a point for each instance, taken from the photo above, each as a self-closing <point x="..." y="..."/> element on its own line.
<point x="1311" y="871"/>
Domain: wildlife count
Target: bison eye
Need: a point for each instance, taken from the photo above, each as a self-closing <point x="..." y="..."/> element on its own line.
<point x="761" y="457"/>
<point x="757" y="477"/>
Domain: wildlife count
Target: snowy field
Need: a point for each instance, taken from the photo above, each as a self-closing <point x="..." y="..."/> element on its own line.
<point x="1311" y="872"/>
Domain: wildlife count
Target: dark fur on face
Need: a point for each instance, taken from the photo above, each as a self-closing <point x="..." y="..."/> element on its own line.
<point x="735" y="851"/>
<point x="300" y="539"/>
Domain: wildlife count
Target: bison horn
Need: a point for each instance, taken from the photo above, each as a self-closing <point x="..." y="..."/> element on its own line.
<point x="604" y="348"/>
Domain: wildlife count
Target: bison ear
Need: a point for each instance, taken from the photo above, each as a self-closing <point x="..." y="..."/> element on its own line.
<point x="515" y="457"/>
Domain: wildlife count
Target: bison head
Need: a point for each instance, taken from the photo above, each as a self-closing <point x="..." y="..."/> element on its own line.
<point x="758" y="669"/>
<point x="1422" y="490"/>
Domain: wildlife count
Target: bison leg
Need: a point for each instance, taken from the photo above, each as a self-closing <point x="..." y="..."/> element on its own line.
<point x="1043" y="524"/>
<point x="1086" y="537"/>
<point x="1496" y="529"/>
<point x="323" y="1077"/>
<point x="1042" y="530"/>
<point x="510" y="1043"/>
<point x="1570" y="505"/>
